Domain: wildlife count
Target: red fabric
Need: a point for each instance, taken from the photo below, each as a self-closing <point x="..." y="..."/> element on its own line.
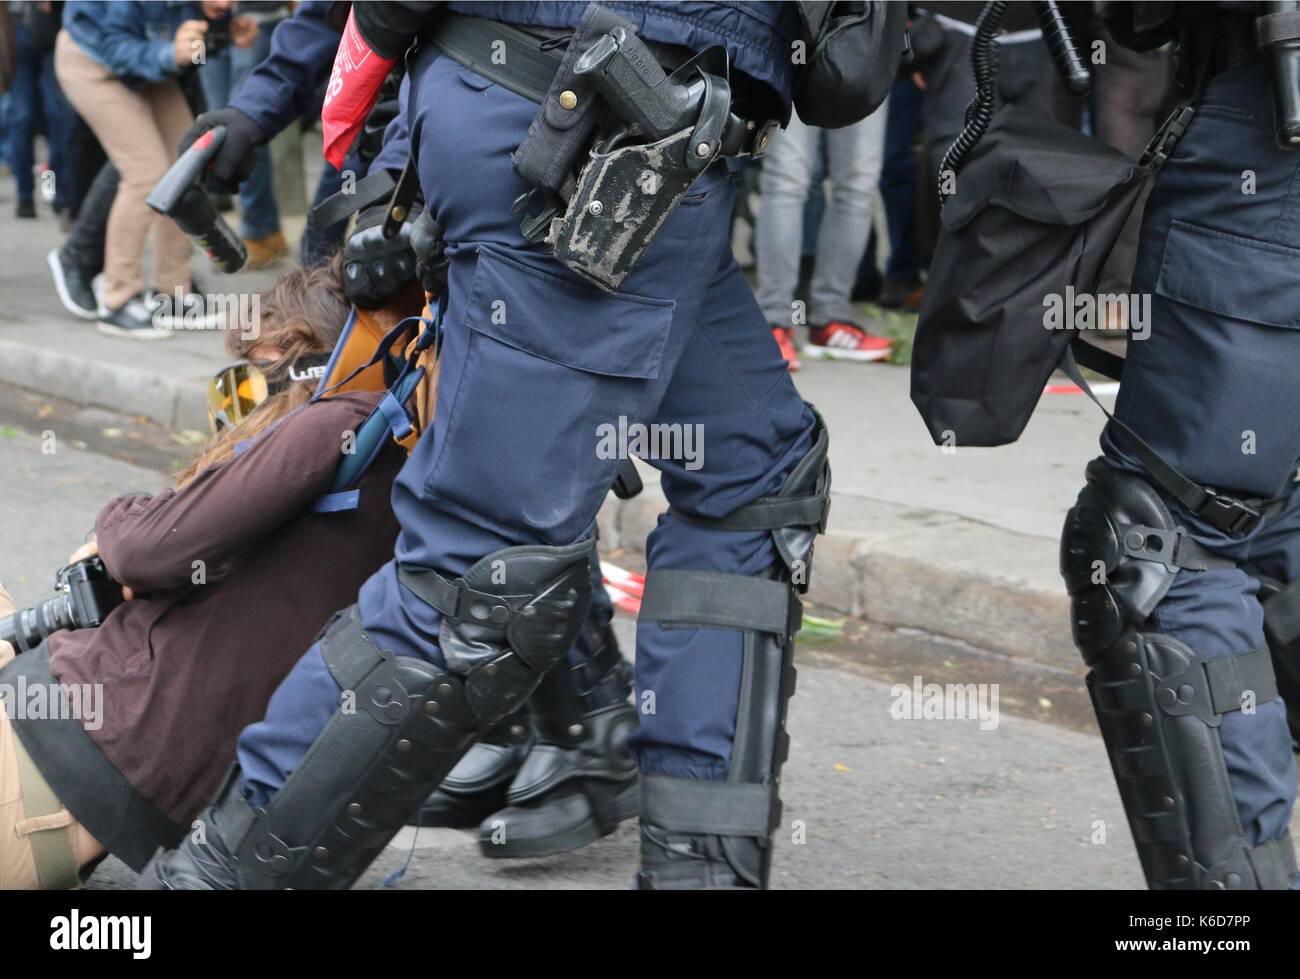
<point x="353" y="89"/>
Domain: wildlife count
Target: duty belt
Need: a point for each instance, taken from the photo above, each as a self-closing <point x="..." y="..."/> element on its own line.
<point x="526" y="61"/>
<point x="1232" y="44"/>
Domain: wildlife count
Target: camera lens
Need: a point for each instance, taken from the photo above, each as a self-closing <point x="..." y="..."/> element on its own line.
<point x="56" y="614"/>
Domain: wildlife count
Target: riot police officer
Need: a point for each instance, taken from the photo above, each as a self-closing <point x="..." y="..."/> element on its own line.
<point x="1165" y="551"/>
<point x="491" y="583"/>
<point x="558" y="774"/>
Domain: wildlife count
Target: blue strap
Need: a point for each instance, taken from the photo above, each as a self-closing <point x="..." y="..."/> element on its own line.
<point x="399" y="423"/>
<point x="337" y="502"/>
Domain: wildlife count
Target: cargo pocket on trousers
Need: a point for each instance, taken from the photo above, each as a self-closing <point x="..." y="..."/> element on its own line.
<point x="549" y="362"/>
<point x="1229" y="337"/>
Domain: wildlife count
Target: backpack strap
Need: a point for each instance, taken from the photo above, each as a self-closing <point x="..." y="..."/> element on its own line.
<point x="389" y="418"/>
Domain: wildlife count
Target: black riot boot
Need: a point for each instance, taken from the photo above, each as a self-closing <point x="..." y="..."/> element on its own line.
<point x="579" y="780"/>
<point x="477" y="786"/>
<point x="401" y="727"/>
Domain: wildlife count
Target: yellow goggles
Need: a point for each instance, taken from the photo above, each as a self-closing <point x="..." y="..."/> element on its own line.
<point x="234" y="393"/>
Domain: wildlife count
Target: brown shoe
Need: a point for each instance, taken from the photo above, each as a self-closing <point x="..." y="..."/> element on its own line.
<point x="265" y="251"/>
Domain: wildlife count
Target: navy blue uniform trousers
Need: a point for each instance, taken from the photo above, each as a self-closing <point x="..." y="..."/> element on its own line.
<point x="534" y="363"/>
<point x="1215" y="390"/>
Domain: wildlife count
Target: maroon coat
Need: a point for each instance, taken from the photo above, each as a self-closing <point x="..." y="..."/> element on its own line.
<point x="187" y="667"/>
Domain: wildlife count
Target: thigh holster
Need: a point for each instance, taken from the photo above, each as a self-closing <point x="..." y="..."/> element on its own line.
<point x="697" y="832"/>
<point x="1159" y="703"/>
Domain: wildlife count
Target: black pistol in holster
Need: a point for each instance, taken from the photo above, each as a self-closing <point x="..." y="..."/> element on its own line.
<point x="181" y="196"/>
<point x="653" y="133"/>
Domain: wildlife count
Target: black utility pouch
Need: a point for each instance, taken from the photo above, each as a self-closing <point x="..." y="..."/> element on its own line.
<point x="623" y="196"/>
<point x="563" y="129"/>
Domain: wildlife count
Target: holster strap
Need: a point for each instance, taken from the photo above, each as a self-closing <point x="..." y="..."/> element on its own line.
<point x="726" y="601"/>
<point x="689" y="805"/>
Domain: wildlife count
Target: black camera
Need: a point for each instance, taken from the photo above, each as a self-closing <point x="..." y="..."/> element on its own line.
<point x="85" y="594"/>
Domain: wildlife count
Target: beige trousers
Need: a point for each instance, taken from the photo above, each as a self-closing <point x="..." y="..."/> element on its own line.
<point x="139" y="128"/>
<point x="41" y="846"/>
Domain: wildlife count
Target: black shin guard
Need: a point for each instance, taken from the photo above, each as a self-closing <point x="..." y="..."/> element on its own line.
<point x="1159" y="703"/>
<point x="1282" y="629"/>
<point x="402" y="725"/>
<point x="699" y="833"/>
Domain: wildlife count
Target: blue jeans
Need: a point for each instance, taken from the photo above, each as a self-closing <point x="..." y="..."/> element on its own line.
<point x="1213" y="390"/>
<point x="853" y="159"/>
<point x="221" y="77"/>
<point x="534" y="363"/>
<point x="898" y="180"/>
<point x="35" y="95"/>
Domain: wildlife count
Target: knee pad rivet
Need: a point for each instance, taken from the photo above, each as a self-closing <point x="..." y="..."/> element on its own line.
<point x="354" y="809"/>
<point x="403" y="745"/>
<point x="1147" y="720"/>
<point x="1135" y="669"/>
<point x="321" y="853"/>
<point x="444" y="688"/>
<point x="529" y="611"/>
<point x="575" y="730"/>
<point x="490" y="669"/>
<point x="432" y="707"/>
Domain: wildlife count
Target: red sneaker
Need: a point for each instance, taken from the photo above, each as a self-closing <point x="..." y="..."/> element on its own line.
<point x="844" y="341"/>
<point x="785" y="340"/>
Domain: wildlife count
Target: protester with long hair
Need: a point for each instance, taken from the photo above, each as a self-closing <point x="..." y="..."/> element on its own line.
<point x="227" y="575"/>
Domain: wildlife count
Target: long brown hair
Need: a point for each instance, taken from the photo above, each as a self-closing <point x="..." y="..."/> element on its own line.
<point x="303" y="313"/>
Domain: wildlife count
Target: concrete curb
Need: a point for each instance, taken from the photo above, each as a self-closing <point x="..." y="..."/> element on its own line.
<point x="906" y="567"/>
<point x="175" y="403"/>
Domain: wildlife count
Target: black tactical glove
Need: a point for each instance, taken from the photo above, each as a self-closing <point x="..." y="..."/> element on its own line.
<point x="430" y="253"/>
<point x="375" y="267"/>
<point x="237" y="157"/>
